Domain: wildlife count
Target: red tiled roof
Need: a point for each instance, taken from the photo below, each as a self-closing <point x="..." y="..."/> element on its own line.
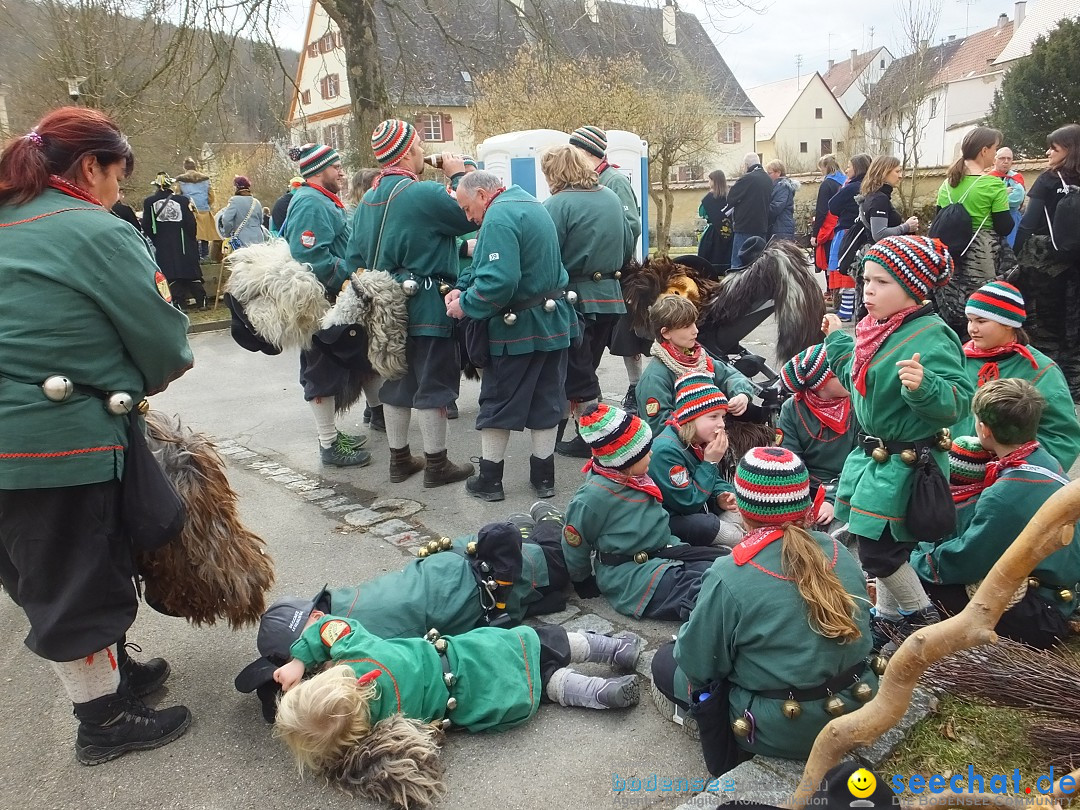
<point x="976" y="54"/>
<point x="843" y="74"/>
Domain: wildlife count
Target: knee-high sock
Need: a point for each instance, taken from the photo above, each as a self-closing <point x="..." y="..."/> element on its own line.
<point x="323" y="411"/>
<point x="433" y="428"/>
<point x="578" y="408"/>
<point x="372" y="387"/>
<point x="886" y="605"/>
<point x="493" y="444"/>
<point x="397" y="425"/>
<point x="88" y="678"/>
<point x="633" y="368"/>
<point x="543" y="442"/>
<point x="906" y="588"/>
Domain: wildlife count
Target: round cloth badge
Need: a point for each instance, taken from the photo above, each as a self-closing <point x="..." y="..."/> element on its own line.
<point x="679" y="476"/>
<point x="652" y="407"/>
<point x="307" y="239"/>
<point x="572" y="536"/>
<point x="779" y="437"/>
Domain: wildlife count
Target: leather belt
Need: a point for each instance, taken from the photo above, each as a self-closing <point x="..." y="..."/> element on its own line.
<point x="838" y="683"/>
<point x="529" y="303"/>
<point x="599" y="275"/>
<point x="640" y="557"/>
<point x="880" y="449"/>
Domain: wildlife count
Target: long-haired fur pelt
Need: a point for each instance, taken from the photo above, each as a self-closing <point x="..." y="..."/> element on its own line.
<point x="783" y="274"/>
<point x="643" y="283"/>
<point x="377" y="302"/>
<point x="282" y="298"/>
<point x="217" y="568"/>
<point x="397" y="763"/>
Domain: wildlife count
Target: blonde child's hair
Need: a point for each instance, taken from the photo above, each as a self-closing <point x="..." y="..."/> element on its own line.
<point x="566" y="166"/>
<point x="831" y="607"/>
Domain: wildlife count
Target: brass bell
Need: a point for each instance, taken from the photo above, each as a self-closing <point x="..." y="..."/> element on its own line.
<point x="470" y="549"/>
<point x="451" y="704"/>
<point x="618" y="274"/>
<point x="597" y="276"/>
<point x="410" y="286"/>
<point x="440" y="645"/>
<point x="449" y="678"/>
<point x="909" y="457"/>
<point x="510" y="318"/>
<point x="422" y="552"/>
<point x="144" y="406"/>
<point x="1032" y="582"/>
<point x="433" y="546"/>
<point x="880" y="455"/>
<point x="835" y="706"/>
<point x="444" y="288"/>
<point x="1065" y="595"/>
<point x="445" y="544"/>
<point x="57" y="388"/>
<point x="641" y="557"/>
<point x="945" y="440"/>
<point x="862" y="692"/>
<point x="119" y="403"/>
<point x="549" y="305"/>
<point x="571" y="297"/>
<point x="879" y="663"/>
<point x="741" y="728"/>
<point x="791" y="709"/>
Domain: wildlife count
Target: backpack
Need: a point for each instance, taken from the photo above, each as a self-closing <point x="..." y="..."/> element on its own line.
<point x="952" y="224"/>
<point x="1065" y="231"/>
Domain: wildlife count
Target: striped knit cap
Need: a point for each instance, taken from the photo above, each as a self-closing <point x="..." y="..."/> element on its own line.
<point x="313" y="158"/>
<point x="967" y="461"/>
<point x="806" y="371"/>
<point x="592" y="139"/>
<point x="918" y="263"/>
<point x="772" y="486"/>
<point x="998" y="301"/>
<point x="618" y="439"/>
<point x="696" y="394"/>
<point x="391" y="140"/>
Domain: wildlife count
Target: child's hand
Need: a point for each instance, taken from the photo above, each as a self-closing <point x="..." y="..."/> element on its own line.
<point x="825" y="514"/>
<point x="830" y="323"/>
<point x="737" y="404"/>
<point x="726" y="501"/>
<point x="289" y="675"/>
<point x="911" y="373"/>
<point x="716" y="449"/>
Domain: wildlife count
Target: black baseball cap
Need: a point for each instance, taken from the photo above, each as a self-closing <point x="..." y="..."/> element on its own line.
<point x="279" y="627"/>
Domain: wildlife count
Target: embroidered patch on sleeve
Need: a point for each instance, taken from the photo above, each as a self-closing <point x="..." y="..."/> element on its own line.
<point x="679" y="476"/>
<point x="572" y="536"/>
<point x="779" y="437"/>
<point x="334" y="630"/>
<point x="493" y="257"/>
<point x="652" y="407"/>
<point x="307" y="239"/>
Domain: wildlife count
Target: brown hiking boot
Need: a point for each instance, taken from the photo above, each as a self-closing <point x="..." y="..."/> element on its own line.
<point x="441" y="470"/>
<point x="403" y="464"/>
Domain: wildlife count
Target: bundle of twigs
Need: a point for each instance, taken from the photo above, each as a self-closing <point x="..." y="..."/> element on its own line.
<point x="1059" y="742"/>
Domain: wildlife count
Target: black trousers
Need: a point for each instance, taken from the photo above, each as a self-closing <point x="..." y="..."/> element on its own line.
<point x="677" y="592"/>
<point x="884" y="556"/>
<point x="554" y="654"/>
<point x="1033" y="620"/>
<point x="582" y="360"/>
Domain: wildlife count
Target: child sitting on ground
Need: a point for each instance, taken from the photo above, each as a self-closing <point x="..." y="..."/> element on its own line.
<point x="685" y="459"/>
<point x="676" y="352"/>
<point x="616" y="526"/>
<point x="372" y="723"/>
<point x="1019" y="480"/>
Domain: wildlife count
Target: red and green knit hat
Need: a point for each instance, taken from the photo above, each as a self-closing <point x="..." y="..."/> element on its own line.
<point x="592" y="139"/>
<point x="313" y="158"/>
<point x="618" y="439"/>
<point x="772" y="486"/>
<point x="967" y="461"/>
<point x="806" y="371"/>
<point x="696" y="394"/>
<point x="918" y="263"/>
<point x="391" y="140"/>
<point x="998" y="301"/>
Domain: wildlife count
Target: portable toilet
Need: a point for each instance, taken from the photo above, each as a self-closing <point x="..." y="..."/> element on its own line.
<point x="515" y="158"/>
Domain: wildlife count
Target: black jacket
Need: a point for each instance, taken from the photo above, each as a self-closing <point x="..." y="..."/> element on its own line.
<point x="750" y="196"/>
<point x="280" y="209"/>
<point x="843" y="203"/>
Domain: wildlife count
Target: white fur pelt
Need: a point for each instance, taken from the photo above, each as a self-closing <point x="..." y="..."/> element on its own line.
<point x="282" y="298"/>
<point x="375" y="301"/>
<point x="783" y="274"/>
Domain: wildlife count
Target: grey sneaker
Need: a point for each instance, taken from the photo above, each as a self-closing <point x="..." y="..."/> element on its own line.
<point x="343" y="453"/>
<point x="354" y="442"/>
<point x="524" y="523"/>
<point x="619" y="693"/>
<point x="544" y="510"/>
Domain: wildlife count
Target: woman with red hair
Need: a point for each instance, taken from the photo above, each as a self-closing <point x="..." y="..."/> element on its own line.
<point x="83" y="323"/>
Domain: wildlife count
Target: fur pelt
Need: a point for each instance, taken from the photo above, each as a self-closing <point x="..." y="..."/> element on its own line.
<point x="398" y="762"/>
<point x="374" y="300"/>
<point x="282" y="298"/>
<point x="644" y="283"/>
<point x="217" y="568"/>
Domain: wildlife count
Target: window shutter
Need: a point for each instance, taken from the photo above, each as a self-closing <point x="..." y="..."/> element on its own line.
<point x="738" y="132"/>
<point x="447" y="127"/>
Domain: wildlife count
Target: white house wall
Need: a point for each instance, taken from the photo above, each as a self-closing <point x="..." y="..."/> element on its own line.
<point x="800" y="126"/>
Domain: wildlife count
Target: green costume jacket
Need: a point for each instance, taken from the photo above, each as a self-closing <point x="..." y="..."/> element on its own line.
<point x="78" y="299"/>
<point x="317" y="229"/>
<point x="498" y="672"/>
<point x="689" y="484"/>
<point x="1001" y="512"/>
<point x="419" y="241"/>
<point x="750" y="626"/>
<point x="589" y="223"/>
<point x="656" y="390"/>
<point x="821" y="448"/>
<point x="1059" y="430"/>
<point x="870" y="495"/>
<point x="439" y="591"/>
<point x="517" y="258"/>
<point x="618" y="182"/>
<point x="605" y="516"/>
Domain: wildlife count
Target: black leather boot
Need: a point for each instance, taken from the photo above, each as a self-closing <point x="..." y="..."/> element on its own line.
<point x="487" y="486"/>
<point x="542" y="476"/>
<point x="113" y="725"/>
<point x="140" y="679"/>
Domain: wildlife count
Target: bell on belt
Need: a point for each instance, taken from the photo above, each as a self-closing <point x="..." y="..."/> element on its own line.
<point x="510" y="318"/>
<point x="862" y="692"/>
<point x="741" y="728"/>
<point x="1032" y="582"/>
<point x="470" y="549"/>
<point x="878" y="663"/>
<point x="440" y="645"/>
<point x="410" y="286"/>
<point x="57" y="388"/>
<point x="571" y="297"/>
<point x="449" y="678"/>
<point x="451" y="704"/>
<point x="908" y="456"/>
<point x="641" y="557"/>
<point x="433" y="546"/>
<point x="423" y="552"/>
<point x="945" y="440"/>
<point x="432" y="635"/>
<point x="446" y="724"/>
<point x="1065" y="595"/>
<point x="143" y="406"/>
<point x="597" y="276"/>
<point x="444" y="288"/>
<point x="618" y="274"/>
<point x="880" y="455"/>
<point x="549" y="305"/>
<point x="791" y="709"/>
<point x="835" y="706"/>
<point x="445" y="543"/>
<point x="119" y="403"/>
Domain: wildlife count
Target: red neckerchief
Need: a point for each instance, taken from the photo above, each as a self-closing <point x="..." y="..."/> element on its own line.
<point x="834" y="414"/>
<point x="604" y="165"/>
<point x="754" y="542"/>
<point x="72" y="190"/>
<point x="642" y="483"/>
<point x="689" y="359"/>
<point x="989" y="370"/>
<point x="393" y="171"/>
<point x="498" y="191"/>
<point x="333" y="197"/>
<point x="1013" y="459"/>
<point x="869" y="335"/>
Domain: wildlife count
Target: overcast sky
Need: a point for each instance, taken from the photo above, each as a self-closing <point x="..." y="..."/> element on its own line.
<point x="763" y="47"/>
